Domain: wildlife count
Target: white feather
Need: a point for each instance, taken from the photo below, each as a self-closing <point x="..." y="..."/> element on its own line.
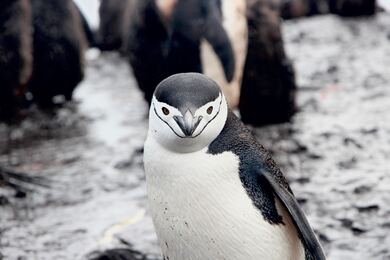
<point x="201" y="210"/>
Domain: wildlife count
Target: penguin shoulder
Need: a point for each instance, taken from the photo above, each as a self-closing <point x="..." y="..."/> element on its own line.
<point x="237" y="138"/>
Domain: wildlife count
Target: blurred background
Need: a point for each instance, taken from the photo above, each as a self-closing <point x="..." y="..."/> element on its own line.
<point x="311" y="78"/>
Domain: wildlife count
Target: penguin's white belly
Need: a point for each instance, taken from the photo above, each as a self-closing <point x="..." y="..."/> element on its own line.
<point x="201" y="210"/>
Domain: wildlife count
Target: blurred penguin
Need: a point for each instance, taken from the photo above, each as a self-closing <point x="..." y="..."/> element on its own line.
<point x="15" y="54"/>
<point x="350" y="8"/>
<point x="112" y="21"/>
<point x="146" y="40"/>
<point x="165" y="37"/>
<point x="59" y="45"/>
<point x="298" y="8"/>
<point x="192" y="21"/>
<point x="268" y="86"/>
<point x="233" y="16"/>
<point x="89" y="33"/>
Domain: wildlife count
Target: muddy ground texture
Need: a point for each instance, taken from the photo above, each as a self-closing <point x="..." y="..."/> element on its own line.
<point x="335" y="153"/>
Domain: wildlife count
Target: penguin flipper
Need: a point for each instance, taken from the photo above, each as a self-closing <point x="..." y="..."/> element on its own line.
<point x="308" y="237"/>
<point x="216" y="35"/>
<point x="89" y="34"/>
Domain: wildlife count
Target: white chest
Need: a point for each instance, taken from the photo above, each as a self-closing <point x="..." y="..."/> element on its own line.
<point x="201" y="210"/>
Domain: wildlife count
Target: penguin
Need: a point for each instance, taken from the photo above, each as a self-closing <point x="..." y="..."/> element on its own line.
<point x="89" y="33"/>
<point x="118" y="254"/>
<point x="233" y="15"/>
<point x="268" y="86"/>
<point x="352" y="8"/>
<point x="213" y="191"/>
<point x="15" y="55"/>
<point x="298" y="8"/>
<point x="194" y="20"/>
<point x="164" y="42"/>
<point x="59" y="46"/>
<point x="112" y="15"/>
<point x="147" y="36"/>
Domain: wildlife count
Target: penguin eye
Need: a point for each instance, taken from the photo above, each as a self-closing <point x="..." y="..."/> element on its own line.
<point x="210" y="110"/>
<point x="165" y="111"/>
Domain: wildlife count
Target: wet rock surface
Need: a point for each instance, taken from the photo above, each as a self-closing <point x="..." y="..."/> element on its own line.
<point x="335" y="152"/>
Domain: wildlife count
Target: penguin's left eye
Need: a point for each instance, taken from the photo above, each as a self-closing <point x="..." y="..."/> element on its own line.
<point x="165" y="111"/>
<point x="210" y="110"/>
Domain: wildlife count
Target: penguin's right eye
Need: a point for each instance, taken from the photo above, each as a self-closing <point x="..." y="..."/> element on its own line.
<point x="165" y="111"/>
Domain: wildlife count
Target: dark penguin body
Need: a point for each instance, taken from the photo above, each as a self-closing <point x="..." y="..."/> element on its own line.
<point x="111" y="28"/>
<point x="146" y="43"/>
<point x="350" y="8"/>
<point x="298" y="8"/>
<point x="15" y="54"/>
<point x="194" y="20"/>
<point x="234" y="201"/>
<point x="268" y="84"/>
<point x="118" y="254"/>
<point x="59" y="45"/>
<point x="158" y="48"/>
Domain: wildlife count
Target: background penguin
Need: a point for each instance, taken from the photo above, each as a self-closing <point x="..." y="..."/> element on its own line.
<point x="15" y="54"/>
<point x="297" y="8"/>
<point x="146" y="40"/>
<point x="214" y="192"/>
<point x="159" y="46"/>
<point x="352" y="8"/>
<point x="89" y="33"/>
<point x="268" y="86"/>
<point x="112" y="20"/>
<point x="194" y="20"/>
<point x="234" y="22"/>
<point x="59" y="45"/>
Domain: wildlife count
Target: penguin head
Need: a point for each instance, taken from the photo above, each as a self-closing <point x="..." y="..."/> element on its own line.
<point x="188" y="111"/>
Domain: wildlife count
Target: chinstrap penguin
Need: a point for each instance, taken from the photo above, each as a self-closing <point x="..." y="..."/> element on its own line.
<point x="59" y="45"/>
<point x="112" y="16"/>
<point x="213" y="191"/>
<point x="268" y="86"/>
<point x="164" y="42"/>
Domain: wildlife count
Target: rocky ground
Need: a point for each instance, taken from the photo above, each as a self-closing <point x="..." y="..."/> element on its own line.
<point x="335" y="152"/>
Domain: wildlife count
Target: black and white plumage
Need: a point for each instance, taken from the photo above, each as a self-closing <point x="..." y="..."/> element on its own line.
<point x="59" y="45"/>
<point x="158" y="46"/>
<point x="15" y="54"/>
<point x="214" y="192"/>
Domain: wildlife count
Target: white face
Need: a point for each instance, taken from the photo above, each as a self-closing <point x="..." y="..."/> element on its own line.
<point x="189" y="132"/>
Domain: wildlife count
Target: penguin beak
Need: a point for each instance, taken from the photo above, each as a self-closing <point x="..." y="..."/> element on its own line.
<point x="188" y="123"/>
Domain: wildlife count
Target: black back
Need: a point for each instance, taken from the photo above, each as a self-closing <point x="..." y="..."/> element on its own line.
<point x="268" y="83"/>
<point x="59" y="44"/>
<point x="146" y="46"/>
<point x="15" y="53"/>
<point x="111" y="13"/>
<point x="263" y="180"/>
<point x="352" y="8"/>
